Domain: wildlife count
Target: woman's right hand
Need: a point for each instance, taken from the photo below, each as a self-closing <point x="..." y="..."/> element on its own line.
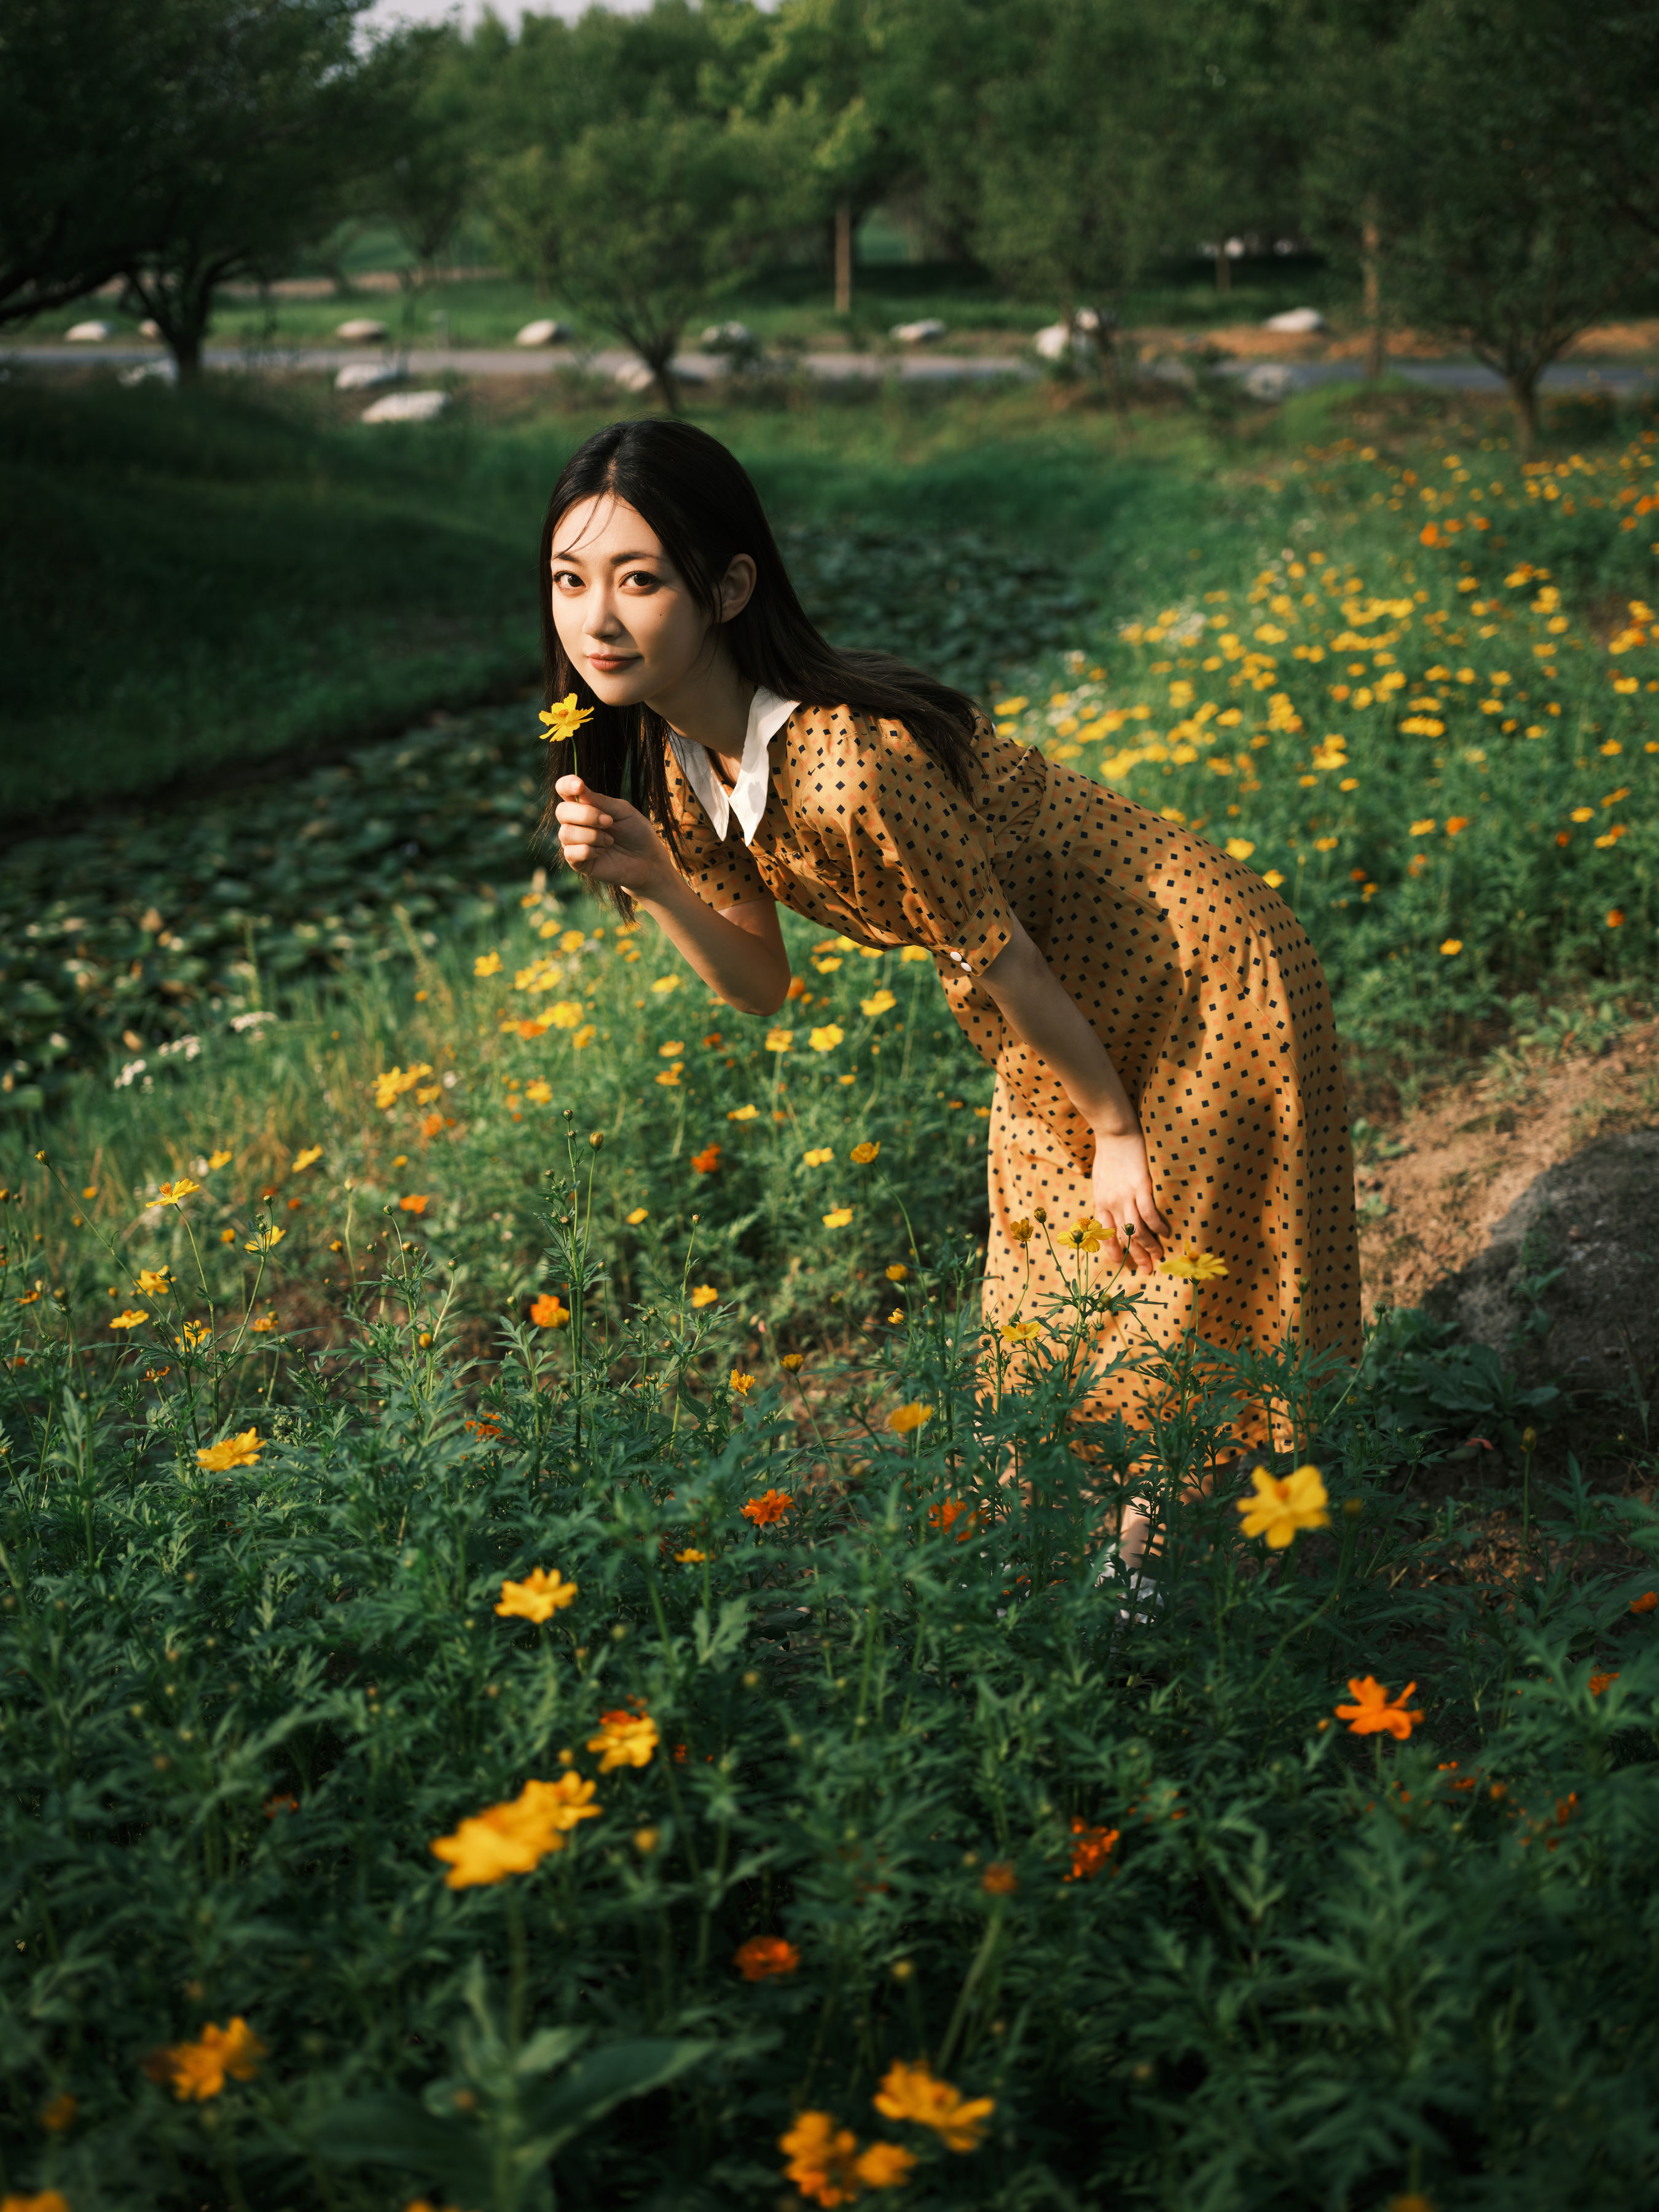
<point x="606" y="839"/>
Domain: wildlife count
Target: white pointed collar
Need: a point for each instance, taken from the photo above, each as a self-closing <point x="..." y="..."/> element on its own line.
<point x="748" y="798"/>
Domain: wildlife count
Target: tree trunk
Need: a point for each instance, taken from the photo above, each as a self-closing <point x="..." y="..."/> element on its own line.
<point x="185" y="346"/>
<point x="1371" y="247"/>
<point x="844" y="256"/>
<point x="1223" y="269"/>
<point x="660" y="362"/>
<point x="1523" y="397"/>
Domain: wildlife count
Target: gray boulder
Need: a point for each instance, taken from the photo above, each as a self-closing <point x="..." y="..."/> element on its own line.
<point x="1568" y="1287"/>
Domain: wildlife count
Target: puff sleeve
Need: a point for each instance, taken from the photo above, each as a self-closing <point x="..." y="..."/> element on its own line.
<point x="721" y="871"/>
<point x="920" y="857"/>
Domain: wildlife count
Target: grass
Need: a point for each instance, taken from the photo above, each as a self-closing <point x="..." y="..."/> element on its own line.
<point x="207" y="582"/>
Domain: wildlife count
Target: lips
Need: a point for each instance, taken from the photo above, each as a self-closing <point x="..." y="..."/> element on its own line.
<point x="608" y="664"/>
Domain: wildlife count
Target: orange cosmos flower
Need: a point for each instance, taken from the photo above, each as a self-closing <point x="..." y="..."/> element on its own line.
<point x="1599" y="1682"/>
<point x="707" y="1161"/>
<point x="768" y="1508"/>
<point x="742" y="1384"/>
<point x="1646" y="1602"/>
<point x="765" y="1956"/>
<point x="548" y="1313"/>
<point x="416" y="1202"/>
<point x="1091" y="1849"/>
<point x="905" y="1419"/>
<point x="1373" y="1711"/>
<point x="1000" y="1879"/>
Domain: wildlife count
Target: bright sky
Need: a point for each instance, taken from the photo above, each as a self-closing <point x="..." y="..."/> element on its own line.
<point x="384" y="13"/>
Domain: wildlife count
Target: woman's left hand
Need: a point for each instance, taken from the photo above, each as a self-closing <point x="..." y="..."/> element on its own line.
<point x="1124" y="1202"/>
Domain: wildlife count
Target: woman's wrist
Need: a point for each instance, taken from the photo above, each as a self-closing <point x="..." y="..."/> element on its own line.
<point x="1110" y="1126"/>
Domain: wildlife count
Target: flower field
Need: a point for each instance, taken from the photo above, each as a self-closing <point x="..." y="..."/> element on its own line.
<point x="545" y="1660"/>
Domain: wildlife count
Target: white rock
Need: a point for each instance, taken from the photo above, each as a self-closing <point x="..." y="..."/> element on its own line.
<point x="368" y="375"/>
<point x="546" y="332"/>
<point x="361" y="330"/>
<point x="150" y="372"/>
<point x="1051" y="341"/>
<point x="922" y="333"/>
<point x="406" y="407"/>
<point x="87" y="333"/>
<point x="1295" y="320"/>
<point x="633" y="376"/>
<point x="149" y="329"/>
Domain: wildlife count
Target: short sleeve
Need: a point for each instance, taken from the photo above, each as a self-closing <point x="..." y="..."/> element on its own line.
<point x="721" y="871"/>
<point x="921" y="859"/>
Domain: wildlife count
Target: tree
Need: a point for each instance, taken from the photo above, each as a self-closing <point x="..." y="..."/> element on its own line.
<point x="1504" y="224"/>
<point x="637" y="224"/>
<point x="259" y="115"/>
<point x="1351" y="98"/>
<point x="430" y="181"/>
<point x="818" y="83"/>
<point x="72" y="146"/>
<point x="1082" y="156"/>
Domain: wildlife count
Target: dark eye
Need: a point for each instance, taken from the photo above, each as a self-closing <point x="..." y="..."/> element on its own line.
<point x="563" y="578"/>
<point x="642" y="576"/>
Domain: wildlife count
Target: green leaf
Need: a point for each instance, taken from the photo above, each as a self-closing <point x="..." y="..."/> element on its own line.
<point x="610" y="2077"/>
<point x="393" y="2131"/>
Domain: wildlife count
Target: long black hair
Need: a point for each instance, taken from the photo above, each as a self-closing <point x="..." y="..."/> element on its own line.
<point x="700" y="501"/>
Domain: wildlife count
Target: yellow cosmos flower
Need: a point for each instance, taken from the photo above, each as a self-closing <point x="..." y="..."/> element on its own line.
<point x="624" y="1740"/>
<point x="538" y="1597"/>
<point x="779" y="1040"/>
<point x="198" y="2070"/>
<point x="1240" y="849"/>
<point x="1451" y="945"/>
<point x="1193" y="1267"/>
<point x="1272" y="880"/>
<point x="904" y="1420"/>
<point x="583" y="1038"/>
<point x="664" y="984"/>
<point x="691" y="1556"/>
<point x="704" y="1295"/>
<point x="175" y="1193"/>
<point x="566" y="1014"/>
<point x="264" y="1239"/>
<point x="912" y="2092"/>
<point x="742" y="1383"/>
<point x="219" y="1159"/>
<point x="862" y="1155"/>
<point x="241" y="1450"/>
<point x="794" y="1361"/>
<point x="487" y="963"/>
<point x="899" y="1272"/>
<point x="826" y="1039"/>
<point x="639" y="1214"/>
<point x="560" y="721"/>
<point x="1083" y="1235"/>
<point x="896" y="1318"/>
<point x="878" y="1002"/>
<point x="1284" y="1504"/>
<point x="308" y="1158"/>
<point x="914" y="952"/>
<point x="1015" y="706"/>
<point x="1019" y="1331"/>
<point x="130" y="1319"/>
<point x="670" y="1077"/>
<point x="818" y="1157"/>
<point x="193" y="1333"/>
<point x="515" y="1837"/>
<point x="838" y="1218"/>
<point x="743" y="1113"/>
<point x="1423" y="828"/>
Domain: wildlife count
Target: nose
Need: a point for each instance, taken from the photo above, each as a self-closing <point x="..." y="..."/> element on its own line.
<point x="600" y="619"/>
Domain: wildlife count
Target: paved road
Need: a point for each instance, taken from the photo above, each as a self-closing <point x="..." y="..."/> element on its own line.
<point x="919" y="367"/>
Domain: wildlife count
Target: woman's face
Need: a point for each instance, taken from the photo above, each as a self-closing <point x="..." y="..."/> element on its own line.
<point x="624" y="613"/>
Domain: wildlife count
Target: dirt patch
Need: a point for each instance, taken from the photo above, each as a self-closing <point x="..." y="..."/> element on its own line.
<point x="1429" y="1211"/>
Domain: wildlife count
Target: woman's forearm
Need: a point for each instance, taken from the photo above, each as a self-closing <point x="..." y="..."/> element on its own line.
<point x="1042" y="1014"/>
<point x="744" y="962"/>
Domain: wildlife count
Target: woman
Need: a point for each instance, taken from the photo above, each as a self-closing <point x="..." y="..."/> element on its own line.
<point x="1162" y="1035"/>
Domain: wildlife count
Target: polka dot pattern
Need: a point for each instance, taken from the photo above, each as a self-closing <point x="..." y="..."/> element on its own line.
<point x="1194" y="974"/>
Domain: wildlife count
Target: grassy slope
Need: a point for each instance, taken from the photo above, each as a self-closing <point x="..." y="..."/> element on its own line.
<point x="193" y="583"/>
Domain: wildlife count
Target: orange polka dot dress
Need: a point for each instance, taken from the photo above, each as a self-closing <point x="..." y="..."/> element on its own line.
<point x="1194" y="974"/>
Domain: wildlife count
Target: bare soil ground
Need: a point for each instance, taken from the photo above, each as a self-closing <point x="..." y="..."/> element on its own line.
<point x="1467" y="1154"/>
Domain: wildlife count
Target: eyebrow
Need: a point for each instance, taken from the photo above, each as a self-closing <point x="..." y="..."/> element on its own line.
<point x="557" y="556"/>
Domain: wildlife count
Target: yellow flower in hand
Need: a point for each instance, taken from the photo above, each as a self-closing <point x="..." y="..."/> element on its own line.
<point x="560" y="721"/>
<point x="1284" y="1504"/>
